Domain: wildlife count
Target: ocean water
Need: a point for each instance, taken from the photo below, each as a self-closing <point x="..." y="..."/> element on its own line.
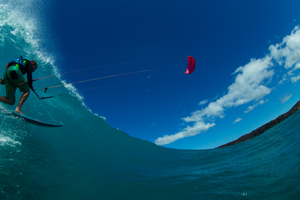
<point x="89" y="159"/>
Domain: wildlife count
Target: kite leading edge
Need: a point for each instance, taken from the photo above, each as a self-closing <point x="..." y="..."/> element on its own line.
<point x="191" y="65"/>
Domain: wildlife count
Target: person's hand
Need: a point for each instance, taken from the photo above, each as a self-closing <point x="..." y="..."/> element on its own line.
<point x="1" y="81"/>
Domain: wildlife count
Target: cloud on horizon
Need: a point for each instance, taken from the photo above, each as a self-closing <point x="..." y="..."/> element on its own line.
<point x="197" y="128"/>
<point x="250" y="85"/>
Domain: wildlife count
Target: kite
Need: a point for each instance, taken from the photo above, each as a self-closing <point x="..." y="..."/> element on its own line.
<point x="191" y="65"/>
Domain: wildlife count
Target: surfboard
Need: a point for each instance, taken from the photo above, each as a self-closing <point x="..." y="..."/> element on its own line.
<point x="31" y="120"/>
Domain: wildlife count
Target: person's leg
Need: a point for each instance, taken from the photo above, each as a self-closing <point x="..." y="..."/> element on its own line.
<point x="23" y="88"/>
<point x="6" y="100"/>
<point x="10" y="94"/>
<point x="9" y="89"/>
<point x="22" y="100"/>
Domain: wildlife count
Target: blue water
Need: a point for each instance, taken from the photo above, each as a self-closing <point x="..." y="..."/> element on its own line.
<point x="89" y="159"/>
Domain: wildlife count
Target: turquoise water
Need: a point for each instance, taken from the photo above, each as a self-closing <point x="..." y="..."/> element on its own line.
<point x="89" y="159"/>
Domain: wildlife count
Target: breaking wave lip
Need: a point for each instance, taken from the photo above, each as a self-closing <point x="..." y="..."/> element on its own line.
<point x="24" y="26"/>
<point x="29" y="26"/>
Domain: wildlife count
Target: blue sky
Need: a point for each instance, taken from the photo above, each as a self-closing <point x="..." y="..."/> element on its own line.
<point x="247" y="55"/>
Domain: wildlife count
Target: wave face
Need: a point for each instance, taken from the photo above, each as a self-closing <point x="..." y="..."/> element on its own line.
<point x="88" y="159"/>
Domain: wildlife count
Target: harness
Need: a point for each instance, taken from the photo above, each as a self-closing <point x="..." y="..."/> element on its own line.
<point x="20" y="63"/>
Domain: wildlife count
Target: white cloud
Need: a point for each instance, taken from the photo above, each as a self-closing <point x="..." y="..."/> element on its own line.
<point x="297" y="66"/>
<point x="255" y="105"/>
<point x="288" y="50"/>
<point x="285" y="98"/>
<point x="212" y="110"/>
<point x="282" y="80"/>
<point x="237" y="120"/>
<point x="203" y="102"/>
<point x="187" y="132"/>
<point x="290" y="73"/>
<point x="250" y="85"/>
<point x="295" y="79"/>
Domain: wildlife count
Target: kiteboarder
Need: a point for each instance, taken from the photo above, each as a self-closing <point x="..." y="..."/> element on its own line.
<point x="13" y="78"/>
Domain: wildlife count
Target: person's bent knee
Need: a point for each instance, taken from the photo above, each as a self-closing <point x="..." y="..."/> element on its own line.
<point x="11" y="102"/>
<point x="27" y="92"/>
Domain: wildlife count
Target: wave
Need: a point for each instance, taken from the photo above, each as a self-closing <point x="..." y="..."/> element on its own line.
<point x="89" y="159"/>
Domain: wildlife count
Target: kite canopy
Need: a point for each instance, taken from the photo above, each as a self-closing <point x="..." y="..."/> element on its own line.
<point x="191" y="65"/>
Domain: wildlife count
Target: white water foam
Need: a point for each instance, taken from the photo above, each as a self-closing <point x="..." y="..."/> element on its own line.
<point x="5" y="140"/>
<point x="29" y="26"/>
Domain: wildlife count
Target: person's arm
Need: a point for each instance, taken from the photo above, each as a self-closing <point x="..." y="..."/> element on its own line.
<point x="1" y="81"/>
<point x="29" y="70"/>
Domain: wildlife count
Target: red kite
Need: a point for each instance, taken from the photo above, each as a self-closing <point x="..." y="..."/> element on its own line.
<point x="191" y="65"/>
